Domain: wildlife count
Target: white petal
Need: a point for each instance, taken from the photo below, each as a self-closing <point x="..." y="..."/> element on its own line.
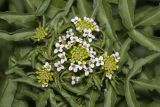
<point x="77" y="79"/>
<point x="101" y="58"/>
<point x="86" y="73"/>
<point x="55" y="51"/>
<point x="58" y="69"/>
<point x="45" y="85"/>
<point x="57" y="45"/>
<point x="70" y="68"/>
<point x="73" y="77"/>
<point x="73" y="82"/>
<point x="89" y="39"/>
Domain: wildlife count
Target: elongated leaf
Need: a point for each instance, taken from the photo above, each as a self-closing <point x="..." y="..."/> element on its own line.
<point x="150" y="17"/>
<point x="93" y="97"/>
<point x="105" y="18"/>
<point x="126" y="11"/>
<point x="66" y="95"/>
<point x="140" y="13"/>
<point x="123" y="51"/>
<point x="20" y="103"/>
<point x="83" y="8"/>
<point x="43" y="7"/>
<point x="16" y="36"/>
<point x="148" y="42"/>
<point x="148" y="84"/>
<point x="28" y="81"/>
<point x="7" y="97"/>
<point x="12" y="17"/>
<point x="110" y="97"/>
<point x="130" y="96"/>
<point x="141" y="62"/>
<point x="42" y="99"/>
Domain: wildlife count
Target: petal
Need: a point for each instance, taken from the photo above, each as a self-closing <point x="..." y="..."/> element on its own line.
<point x="86" y="73"/>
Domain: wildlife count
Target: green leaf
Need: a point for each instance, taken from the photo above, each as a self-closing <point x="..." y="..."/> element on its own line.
<point x="94" y="95"/>
<point x="28" y="80"/>
<point x="66" y="95"/>
<point x="105" y="18"/>
<point x="141" y="62"/>
<point x="148" y="84"/>
<point x="140" y="13"/>
<point x="83" y="8"/>
<point x="123" y="51"/>
<point x="148" y="42"/>
<point x="8" y="93"/>
<point x="110" y="97"/>
<point x="97" y="81"/>
<point x="126" y="11"/>
<point x="16" y="36"/>
<point x="150" y="17"/>
<point x="43" y="7"/>
<point x="42" y="99"/>
<point x="130" y="96"/>
<point x="20" y="103"/>
<point x="17" y="18"/>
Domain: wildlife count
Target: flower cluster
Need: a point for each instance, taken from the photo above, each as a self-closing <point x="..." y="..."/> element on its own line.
<point x="40" y="33"/>
<point x="87" y="26"/>
<point x="85" y="23"/>
<point x="44" y="75"/>
<point x="110" y="64"/>
<point x="76" y="51"/>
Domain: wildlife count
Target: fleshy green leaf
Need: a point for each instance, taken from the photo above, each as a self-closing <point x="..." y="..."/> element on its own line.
<point x="126" y="11"/>
<point x="110" y="97"/>
<point x="7" y="97"/>
<point x="130" y="95"/>
<point x="148" y="42"/>
<point x="150" y="17"/>
<point x="148" y="84"/>
<point x="83" y="8"/>
<point x="105" y="18"/>
<point x="141" y="62"/>
<point x="43" y="7"/>
<point x="16" y="36"/>
<point x="93" y="97"/>
<point x="17" y="18"/>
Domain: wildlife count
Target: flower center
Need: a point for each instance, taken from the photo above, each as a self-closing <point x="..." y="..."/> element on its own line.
<point x="110" y="64"/>
<point x="79" y="53"/>
<point x="40" y="33"/>
<point x="43" y="75"/>
<point x="84" y="24"/>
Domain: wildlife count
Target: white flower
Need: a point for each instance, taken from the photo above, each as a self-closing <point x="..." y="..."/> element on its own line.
<point x="81" y="65"/>
<point x="85" y="44"/>
<point x="61" y="38"/>
<point x="109" y="76"/>
<point x="99" y="61"/>
<point x="59" y="66"/>
<point x="73" y="67"/>
<point x="92" y="52"/>
<point x="45" y="85"/>
<point x="59" y="48"/>
<point x="88" y="70"/>
<point x="74" y="80"/>
<point x="75" y="20"/>
<point x="48" y="66"/>
<point x="88" y="33"/>
<point x="63" y="57"/>
<point x="116" y="55"/>
<point x="69" y="33"/>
